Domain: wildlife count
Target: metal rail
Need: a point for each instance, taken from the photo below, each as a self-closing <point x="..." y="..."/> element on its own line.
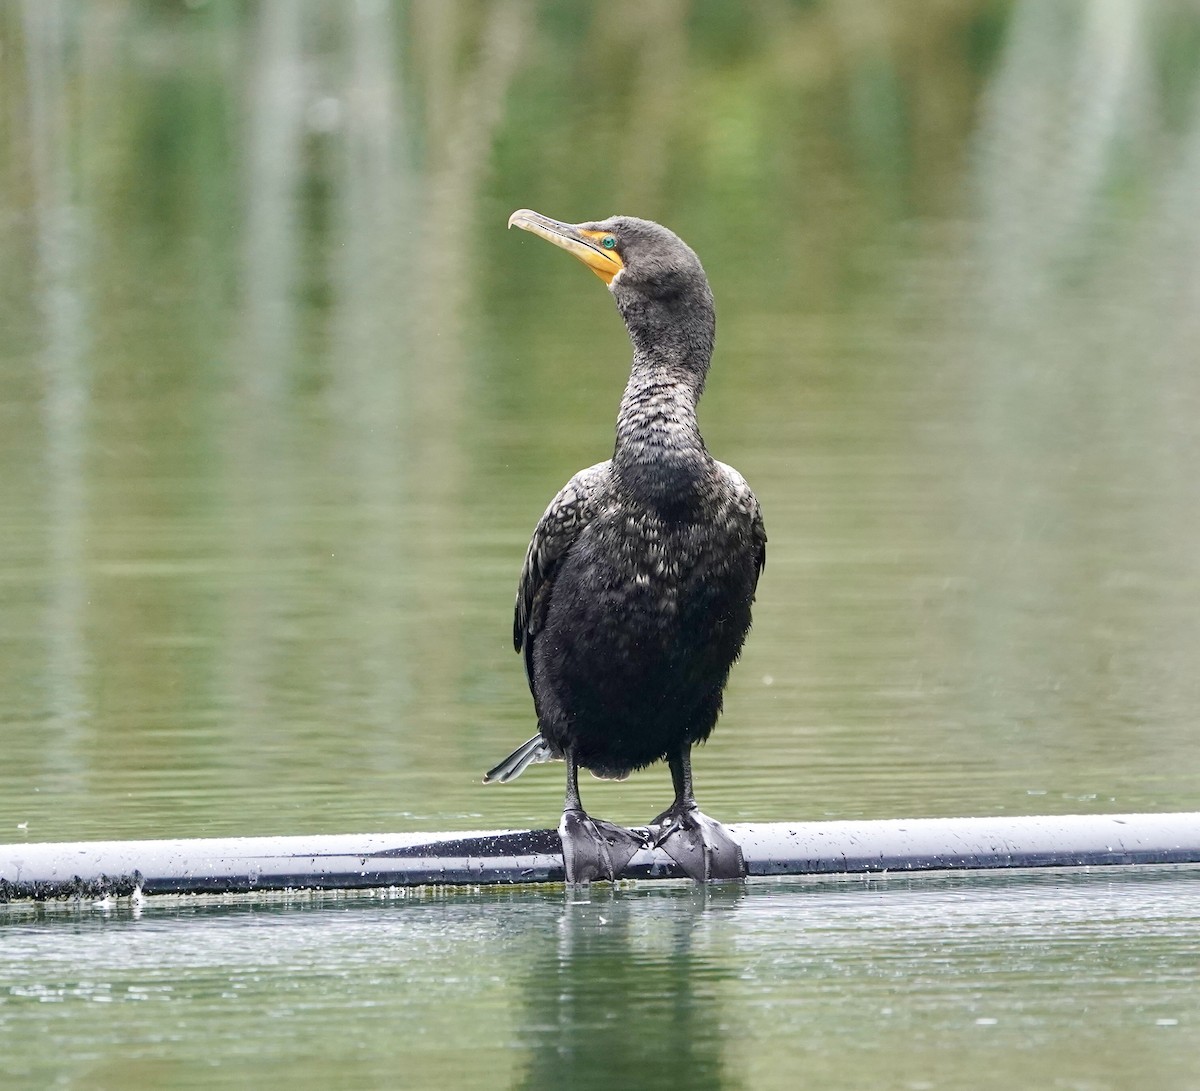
<point x="92" y="869"/>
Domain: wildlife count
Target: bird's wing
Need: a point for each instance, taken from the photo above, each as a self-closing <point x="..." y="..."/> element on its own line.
<point x="557" y="530"/>
<point x="746" y="504"/>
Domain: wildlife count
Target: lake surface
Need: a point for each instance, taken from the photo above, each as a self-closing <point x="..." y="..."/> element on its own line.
<point x="1087" y="981"/>
<point x="281" y="401"/>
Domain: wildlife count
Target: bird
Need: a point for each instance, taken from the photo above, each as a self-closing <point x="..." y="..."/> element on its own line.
<point x="634" y="599"/>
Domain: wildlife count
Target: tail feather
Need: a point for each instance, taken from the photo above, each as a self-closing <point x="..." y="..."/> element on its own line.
<point x="528" y="753"/>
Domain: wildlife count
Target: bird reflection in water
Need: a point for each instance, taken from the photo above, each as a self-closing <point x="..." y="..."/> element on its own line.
<point x="629" y="996"/>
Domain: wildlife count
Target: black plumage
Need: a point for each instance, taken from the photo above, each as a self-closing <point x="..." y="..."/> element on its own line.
<point x="634" y="599"/>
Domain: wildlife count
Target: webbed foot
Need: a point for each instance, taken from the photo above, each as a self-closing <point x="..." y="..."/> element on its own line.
<point x="698" y="844"/>
<point x="594" y="849"/>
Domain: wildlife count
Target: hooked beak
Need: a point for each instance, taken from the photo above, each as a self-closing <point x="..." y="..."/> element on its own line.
<point x="577" y="239"/>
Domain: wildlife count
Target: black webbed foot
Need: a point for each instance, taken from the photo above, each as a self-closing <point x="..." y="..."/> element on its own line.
<point x="698" y="844"/>
<point x="594" y="849"/>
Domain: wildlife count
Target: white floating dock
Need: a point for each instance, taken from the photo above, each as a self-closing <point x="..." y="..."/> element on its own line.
<point x="355" y="861"/>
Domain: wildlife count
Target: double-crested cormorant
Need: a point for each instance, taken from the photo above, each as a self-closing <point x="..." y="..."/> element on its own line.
<point x="634" y="599"/>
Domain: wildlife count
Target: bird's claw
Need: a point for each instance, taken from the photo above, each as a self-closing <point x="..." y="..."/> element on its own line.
<point x="698" y="844"/>
<point x="594" y="849"/>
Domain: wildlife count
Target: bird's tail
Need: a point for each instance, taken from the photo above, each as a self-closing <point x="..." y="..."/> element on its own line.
<point x="532" y="750"/>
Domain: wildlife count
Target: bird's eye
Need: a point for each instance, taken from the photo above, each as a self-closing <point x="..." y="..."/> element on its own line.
<point x="608" y="242"/>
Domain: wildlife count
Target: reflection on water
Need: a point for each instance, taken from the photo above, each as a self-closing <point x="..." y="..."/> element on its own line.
<point x="621" y="998"/>
<point x="280" y="402"/>
<point x="1018" y="980"/>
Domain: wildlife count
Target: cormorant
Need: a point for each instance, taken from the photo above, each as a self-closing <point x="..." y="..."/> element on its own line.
<point x="634" y="599"/>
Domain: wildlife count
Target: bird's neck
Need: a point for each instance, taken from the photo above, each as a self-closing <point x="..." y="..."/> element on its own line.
<point x="660" y="455"/>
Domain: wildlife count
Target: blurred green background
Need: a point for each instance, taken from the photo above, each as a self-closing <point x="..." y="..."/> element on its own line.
<point x="281" y="400"/>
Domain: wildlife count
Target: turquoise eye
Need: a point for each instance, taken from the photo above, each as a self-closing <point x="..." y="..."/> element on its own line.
<point x="608" y="242"/>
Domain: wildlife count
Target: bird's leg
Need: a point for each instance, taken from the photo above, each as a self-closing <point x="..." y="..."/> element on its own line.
<point x="697" y="843"/>
<point x="592" y="849"/>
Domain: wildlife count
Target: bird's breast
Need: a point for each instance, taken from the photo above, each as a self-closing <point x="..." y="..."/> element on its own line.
<point x="642" y="565"/>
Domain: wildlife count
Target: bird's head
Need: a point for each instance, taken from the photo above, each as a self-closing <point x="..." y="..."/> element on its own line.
<point x="657" y="280"/>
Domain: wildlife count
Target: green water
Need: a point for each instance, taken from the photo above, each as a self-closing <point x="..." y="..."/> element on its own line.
<point x="1034" y="981"/>
<point x="281" y="400"/>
